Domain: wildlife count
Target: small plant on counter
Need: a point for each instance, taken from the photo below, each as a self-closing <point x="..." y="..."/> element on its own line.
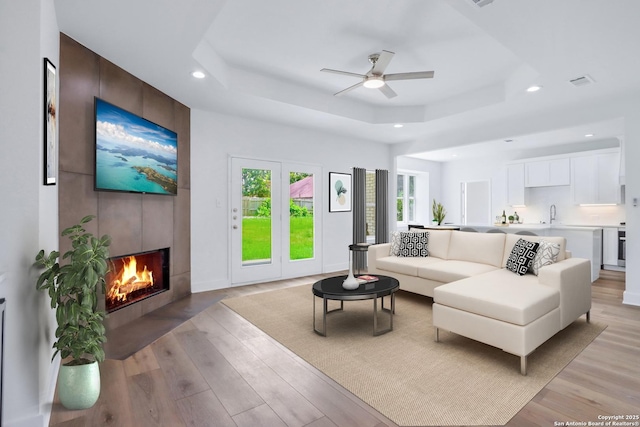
<point x="438" y="212"/>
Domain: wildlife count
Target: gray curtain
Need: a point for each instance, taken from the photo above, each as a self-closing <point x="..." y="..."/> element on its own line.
<point x="359" y="216"/>
<point x="382" y="206"/>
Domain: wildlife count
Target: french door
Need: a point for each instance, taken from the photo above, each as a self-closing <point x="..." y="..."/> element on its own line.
<point x="275" y="226"/>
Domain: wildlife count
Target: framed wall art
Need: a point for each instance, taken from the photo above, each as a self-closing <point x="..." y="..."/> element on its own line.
<point x="50" y="124"/>
<point x="339" y="192"/>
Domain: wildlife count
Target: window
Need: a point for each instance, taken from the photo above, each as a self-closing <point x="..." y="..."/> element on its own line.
<point x="370" y="205"/>
<point x="406" y="198"/>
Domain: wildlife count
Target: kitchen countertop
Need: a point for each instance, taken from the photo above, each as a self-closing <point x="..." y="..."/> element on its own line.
<point x="556" y="226"/>
<point x="538" y="226"/>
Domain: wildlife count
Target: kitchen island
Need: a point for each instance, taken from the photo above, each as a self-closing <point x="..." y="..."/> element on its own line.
<point x="583" y="242"/>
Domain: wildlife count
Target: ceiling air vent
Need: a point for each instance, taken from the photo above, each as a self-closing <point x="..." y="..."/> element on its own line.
<point x="481" y="3"/>
<point x="582" y="81"/>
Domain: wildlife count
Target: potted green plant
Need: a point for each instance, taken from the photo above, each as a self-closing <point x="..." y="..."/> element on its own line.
<point x="511" y="219"/>
<point x="438" y="212"/>
<point x="73" y="289"/>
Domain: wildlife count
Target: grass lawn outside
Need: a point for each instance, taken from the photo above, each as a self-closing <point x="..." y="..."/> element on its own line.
<point x="256" y="238"/>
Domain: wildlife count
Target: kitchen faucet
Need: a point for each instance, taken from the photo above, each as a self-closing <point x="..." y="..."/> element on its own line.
<point x="552" y="214"/>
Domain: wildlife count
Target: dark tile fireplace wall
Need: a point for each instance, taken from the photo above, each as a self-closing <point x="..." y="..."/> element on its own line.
<point x="135" y="222"/>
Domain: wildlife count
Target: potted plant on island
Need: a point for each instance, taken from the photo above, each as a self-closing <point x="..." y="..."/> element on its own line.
<point x="73" y="289"/>
<point x="438" y="212"/>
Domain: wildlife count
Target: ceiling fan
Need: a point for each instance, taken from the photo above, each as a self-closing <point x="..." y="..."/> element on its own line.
<point x="376" y="79"/>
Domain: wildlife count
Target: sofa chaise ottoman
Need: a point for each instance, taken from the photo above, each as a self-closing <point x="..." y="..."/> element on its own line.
<point x="476" y="296"/>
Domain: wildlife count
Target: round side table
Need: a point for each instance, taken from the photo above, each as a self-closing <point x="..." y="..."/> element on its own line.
<point x="359" y="247"/>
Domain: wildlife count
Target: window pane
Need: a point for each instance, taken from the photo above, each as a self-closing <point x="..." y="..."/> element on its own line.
<point x="300" y="215"/>
<point x="370" y="210"/>
<point x="256" y="216"/>
<point x="400" y="209"/>
<point x="412" y="209"/>
<point x="412" y="186"/>
<point x="400" y="185"/>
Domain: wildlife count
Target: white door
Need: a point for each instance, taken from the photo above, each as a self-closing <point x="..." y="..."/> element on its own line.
<point x="301" y="224"/>
<point x="256" y="201"/>
<point x="275" y="220"/>
<point x="476" y="202"/>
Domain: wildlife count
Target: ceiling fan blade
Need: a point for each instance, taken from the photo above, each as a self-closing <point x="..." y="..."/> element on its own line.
<point x="382" y="62"/>
<point x="389" y="93"/>
<point x="344" y="73"/>
<point x="349" y="89"/>
<point x="410" y="76"/>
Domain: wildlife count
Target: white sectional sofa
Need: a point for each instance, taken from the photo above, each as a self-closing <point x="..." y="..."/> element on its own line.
<point x="474" y="295"/>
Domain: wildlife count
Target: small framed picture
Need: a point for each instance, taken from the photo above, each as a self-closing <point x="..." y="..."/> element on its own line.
<point x="339" y="192"/>
<point x="50" y="124"/>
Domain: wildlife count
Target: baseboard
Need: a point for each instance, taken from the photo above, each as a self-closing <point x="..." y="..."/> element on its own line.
<point x="36" y="420"/>
<point x="613" y="268"/>
<point x="631" y="298"/>
<point x="209" y="285"/>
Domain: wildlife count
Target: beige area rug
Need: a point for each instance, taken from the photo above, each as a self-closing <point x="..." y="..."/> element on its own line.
<point x="404" y="374"/>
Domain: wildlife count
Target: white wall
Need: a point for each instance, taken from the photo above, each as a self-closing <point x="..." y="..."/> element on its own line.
<point x="455" y="172"/>
<point x="538" y="199"/>
<point x="215" y="137"/>
<point x="429" y="174"/>
<point x="632" y="148"/>
<point x="28" y="216"/>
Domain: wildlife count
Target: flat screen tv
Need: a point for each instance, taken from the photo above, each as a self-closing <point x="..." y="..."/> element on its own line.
<point x="133" y="154"/>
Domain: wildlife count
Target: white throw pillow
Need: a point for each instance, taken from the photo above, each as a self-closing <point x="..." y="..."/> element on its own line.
<point x="395" y="243"/>
<point x="547" y="254"/>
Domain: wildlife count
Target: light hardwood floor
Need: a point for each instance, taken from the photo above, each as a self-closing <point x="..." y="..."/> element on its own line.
<point x="217" y="369"/>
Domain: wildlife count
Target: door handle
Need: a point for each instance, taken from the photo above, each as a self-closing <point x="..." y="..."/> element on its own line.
<point x="235" y="227"/>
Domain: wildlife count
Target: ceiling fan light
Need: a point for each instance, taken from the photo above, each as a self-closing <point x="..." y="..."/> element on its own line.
<point x="373" y="82"/>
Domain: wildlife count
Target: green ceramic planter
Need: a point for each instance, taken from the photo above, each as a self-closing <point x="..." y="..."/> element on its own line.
<point x="79" y="386"/>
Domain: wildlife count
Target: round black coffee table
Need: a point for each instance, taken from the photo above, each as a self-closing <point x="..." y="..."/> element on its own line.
<point x="331" y="289"/>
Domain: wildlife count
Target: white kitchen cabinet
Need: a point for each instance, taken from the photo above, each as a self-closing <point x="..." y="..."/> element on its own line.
<point x="595" y="178"/>
<point x="515" y="184"/>
<point x="610" y="246"/>
<point x="583" y="187"/>
<point x="546" y="173"/>
<point x="608" y="178"/>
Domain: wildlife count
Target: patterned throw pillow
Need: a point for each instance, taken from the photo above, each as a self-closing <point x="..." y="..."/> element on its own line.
<point x="395" y="243"/>
<point x="413" y="244"/>
<point x="547" y="254"/>
<point x="522" y="256"/>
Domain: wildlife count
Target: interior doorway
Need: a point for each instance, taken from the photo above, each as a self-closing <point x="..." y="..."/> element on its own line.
<point x="475" y="203"/>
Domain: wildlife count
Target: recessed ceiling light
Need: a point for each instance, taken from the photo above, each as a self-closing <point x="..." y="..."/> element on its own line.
<point x="588" y="135"/>
<point x="198" y="74"/>
<point x="398" y="125"/>
<point x="534" y="88"/>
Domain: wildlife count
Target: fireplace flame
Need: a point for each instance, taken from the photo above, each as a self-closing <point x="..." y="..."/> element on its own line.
<point x="129" y="280"/>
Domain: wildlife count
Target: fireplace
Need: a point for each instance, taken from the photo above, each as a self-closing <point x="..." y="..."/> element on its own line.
<point x="135" y="277"/>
